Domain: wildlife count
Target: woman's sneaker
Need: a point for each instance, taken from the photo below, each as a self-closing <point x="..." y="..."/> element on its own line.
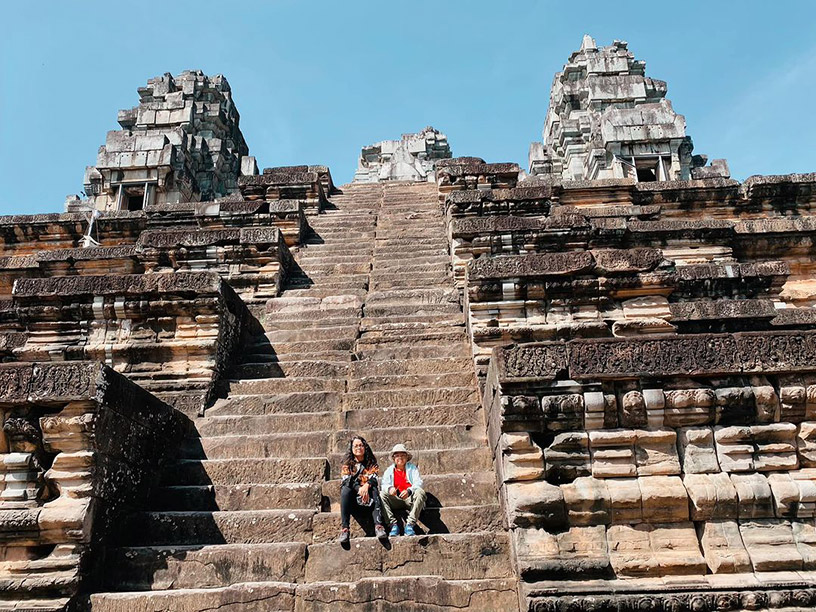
<point x="409" y="529"/>
<point x="379" y="531"/>
<point x="394" y="531"/>
<point x="344" y="536"/>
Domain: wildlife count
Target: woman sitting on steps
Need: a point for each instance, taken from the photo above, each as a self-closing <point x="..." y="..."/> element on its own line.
<point x="359" y="487"/>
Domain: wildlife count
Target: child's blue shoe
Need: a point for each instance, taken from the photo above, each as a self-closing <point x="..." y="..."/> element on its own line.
<point x="409" y="529"/>
<point x="395" y="531"/>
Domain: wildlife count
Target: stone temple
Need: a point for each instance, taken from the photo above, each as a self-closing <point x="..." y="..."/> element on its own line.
<point x="605" y="367"/>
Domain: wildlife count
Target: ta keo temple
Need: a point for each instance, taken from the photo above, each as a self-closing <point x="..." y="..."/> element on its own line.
<point x="604" y="364"/>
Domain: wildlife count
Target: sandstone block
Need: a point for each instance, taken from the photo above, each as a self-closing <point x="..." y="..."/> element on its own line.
<point x="536" y="503"/>
<point x="686" y="407"/>
<point x="734" y="405"/>
<point x="697" y="452"/>
<point x="735" y="450"/>
<point x="723" y="548"/>
<point x="804" y="534"/>
<point x="806" y="443"/>
<point x="587" y="501"/>
<point x="567" y="457"/>
<point x="771" y="545"/>
<point x="655" y="550"/>
<point x="753" y="495"/>
<point x="793" y="403"/>
<point x="521" y="459"/>
<point x="775" y="447"/>
<point x="625" y="501"/>
<point x="664" y="499"/>
<point x="785" y="495"/>
<point x="613" y="453"/>
<point x="712" y="496"/>
<point x="633" y="410"/>
<point x="656" y="453"/>
<point x="577" y="553"/>
<point x="767" y="404"/>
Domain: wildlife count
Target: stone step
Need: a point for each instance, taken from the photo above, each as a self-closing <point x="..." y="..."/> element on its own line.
<point x="461" y="556"/>
<point x="245" y="471"/>
<point x="315" y="273"/>
<point x="384" y="324"/>
<point x="455" y="414"/>
<point x="315" y="348"/>
<point x="314" y="268"/>
<point x="241" y="597"/>
<point x="427" y="339"/>
<point x="319" y="402"/>
<point x="441" y="335"/>
<point x="274" y="324"/>
<point x="309" y="334"/>
<point x="340" y="233"/>
<point x="283" y="446"/>
<point x="238" y="527"/>
<point x="443" y="490"/>
<point x="394" y="246"/>
<point x="295" y="369"/>
<point x="318" y="245"/>
<point x="313" y="255"/>
<point x="39" y="604"/>
<point x="406" y="594"/>
<point x="311" y="356"/>
<point x="324" y="289"/>
<point x="254" y="386"/>
<point x="276" y="423"/>
<point x="331" y="307"/>
<point x="411" y="397"/>
<point x="158" y="568"/>
<point x="459" y="460"/>
<point x="455" y="519"/>
<point x="442" y="365"/>
<point x="411" y="310"/>
<point x="339" y="284"/>
<point x="415" y="438"/>
<point x="434" y="266"/>
<point x="384" y="284"/>
<point x="403" y="352"/>
<point x="438" y="259"/>
<point x="404" y="381"/>
<point x="306" y="495"/>
<point x="308" y="315"/>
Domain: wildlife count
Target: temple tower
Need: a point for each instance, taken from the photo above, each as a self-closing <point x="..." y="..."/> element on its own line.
<point x="412" y="158"/>
<point x="182" y="143"/>
<point x="608" y="120"/>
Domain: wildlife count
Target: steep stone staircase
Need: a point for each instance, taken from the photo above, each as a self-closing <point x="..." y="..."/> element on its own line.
<point x="367" y="339"/>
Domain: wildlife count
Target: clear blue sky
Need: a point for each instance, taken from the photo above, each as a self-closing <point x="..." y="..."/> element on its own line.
<point x="314" y="81"/>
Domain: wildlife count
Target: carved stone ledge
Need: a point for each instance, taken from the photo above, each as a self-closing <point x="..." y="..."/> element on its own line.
<point x="799" y="597"/>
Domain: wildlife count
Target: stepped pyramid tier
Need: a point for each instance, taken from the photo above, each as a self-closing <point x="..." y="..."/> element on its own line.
<point x="182" y="143"/>
<point x="412" y="158"/>
<point x="608" y="120"/>
<point x="608" y="384"/>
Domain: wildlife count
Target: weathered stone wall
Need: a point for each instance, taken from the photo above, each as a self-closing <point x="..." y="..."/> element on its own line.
<point x="78" y="450"/>
<point x="651" y="420"/>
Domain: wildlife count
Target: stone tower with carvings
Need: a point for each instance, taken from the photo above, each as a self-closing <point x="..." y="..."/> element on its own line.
<point x="605" y="368"/>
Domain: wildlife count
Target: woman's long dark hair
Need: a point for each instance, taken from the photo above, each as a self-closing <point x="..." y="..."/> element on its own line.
<point x="369" y="460"/>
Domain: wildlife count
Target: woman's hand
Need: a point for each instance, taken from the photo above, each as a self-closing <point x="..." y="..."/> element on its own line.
<point x="364" y="493"/>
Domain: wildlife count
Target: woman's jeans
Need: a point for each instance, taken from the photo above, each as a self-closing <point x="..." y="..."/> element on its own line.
<point x="348" y="502"/>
